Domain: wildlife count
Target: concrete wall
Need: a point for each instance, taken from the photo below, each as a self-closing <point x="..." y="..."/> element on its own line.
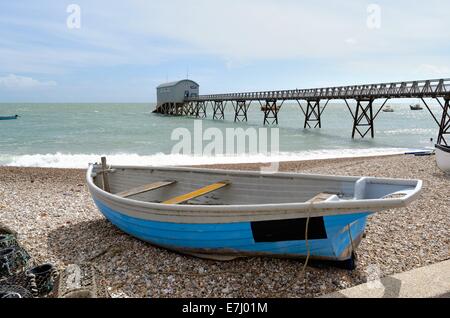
<point x="431" y="281"/>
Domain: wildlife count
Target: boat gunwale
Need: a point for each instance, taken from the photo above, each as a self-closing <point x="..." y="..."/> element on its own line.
<point x="443" y="148"/>
<point x="327" y="208"/>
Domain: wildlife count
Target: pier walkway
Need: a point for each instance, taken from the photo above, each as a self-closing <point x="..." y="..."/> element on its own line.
<point x="360" y="101"/>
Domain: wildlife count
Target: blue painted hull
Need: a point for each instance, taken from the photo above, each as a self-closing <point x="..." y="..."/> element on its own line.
<point x="238" y="239"/>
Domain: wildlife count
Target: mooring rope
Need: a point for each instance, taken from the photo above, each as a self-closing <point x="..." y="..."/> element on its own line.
<point x="308" y="255"/>
<point x="351" y="237"/>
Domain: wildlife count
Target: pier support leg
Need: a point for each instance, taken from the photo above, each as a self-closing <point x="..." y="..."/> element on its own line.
<point x="219" y="110"/>
<point x="240" y="111"/>
<point x="166" y="109"/>
<point x="172" y="109"/>
<point x="271" y="110"/>
<point x="444" y="128"/>
<point x="363" y="118"/>
<point x="190" y="109"/>
<point x="200" y="110"/>
<point x="179" y="109"/>
<point x="184" y="109"/>
<point x="175" y="109"/>
<point x="313" y="114"/>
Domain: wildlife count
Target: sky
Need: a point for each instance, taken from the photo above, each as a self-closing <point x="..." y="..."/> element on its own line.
<point x="119" y="51"/>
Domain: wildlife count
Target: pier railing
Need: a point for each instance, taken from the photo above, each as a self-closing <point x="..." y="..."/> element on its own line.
<point x="412" y="89"/>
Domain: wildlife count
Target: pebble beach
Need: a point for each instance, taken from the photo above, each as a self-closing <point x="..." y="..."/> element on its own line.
<point x="57" y="221"/>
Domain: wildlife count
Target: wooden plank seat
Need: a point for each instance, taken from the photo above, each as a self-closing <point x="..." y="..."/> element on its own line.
<point x="321" y="197"/>
<point x="145" y="188"/>
<point x="198" y="193"/>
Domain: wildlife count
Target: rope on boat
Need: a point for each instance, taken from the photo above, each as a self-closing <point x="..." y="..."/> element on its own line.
<point x="308" y="255"/>
<point x="351" y="237"/>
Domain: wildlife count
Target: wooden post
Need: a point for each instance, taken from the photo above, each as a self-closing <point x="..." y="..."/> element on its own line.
<point x="105" y="176"/>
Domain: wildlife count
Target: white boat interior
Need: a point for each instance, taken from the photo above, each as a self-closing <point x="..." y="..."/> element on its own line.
<point x="238" y="188"/>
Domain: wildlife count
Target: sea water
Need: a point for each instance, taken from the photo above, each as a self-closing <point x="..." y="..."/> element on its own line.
<point x="73" y="135"/>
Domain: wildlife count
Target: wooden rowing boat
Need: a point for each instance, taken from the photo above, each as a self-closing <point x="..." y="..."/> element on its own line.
<point x="221" y="214"/>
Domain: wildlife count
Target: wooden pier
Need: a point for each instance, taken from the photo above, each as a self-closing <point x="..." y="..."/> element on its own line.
<point x="360" y="101"/>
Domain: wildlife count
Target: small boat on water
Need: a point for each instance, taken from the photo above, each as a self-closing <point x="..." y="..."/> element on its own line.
<point x="9" y="117"/>
<point x="443" y="157"/>
<point x="223" y="215"/>
<point x="416" y="107"/>
<point x="388" y="109"/>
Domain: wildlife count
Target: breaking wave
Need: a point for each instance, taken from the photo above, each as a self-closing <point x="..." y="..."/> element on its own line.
<point x="62" y="160"/>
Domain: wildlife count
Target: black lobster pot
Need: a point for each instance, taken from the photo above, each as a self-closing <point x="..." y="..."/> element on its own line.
<point x="42" y="279"/>
<point x="7" y="240"/>
<point x="12" y="260"/>
<point x="14" y="291"/>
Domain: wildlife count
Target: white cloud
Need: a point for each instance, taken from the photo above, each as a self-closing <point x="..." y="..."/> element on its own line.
<point x="434" y="70"/>
<point x="150" y="32"/>
<point x="264" y="29"/>
<point x="410" y="43"/>
<point x="247" y="29"/>
<point x="13" y="81"/>
<point x="351" y="41"/>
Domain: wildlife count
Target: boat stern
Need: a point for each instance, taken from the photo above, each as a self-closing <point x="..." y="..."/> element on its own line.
<point x="345" y="233"/>
<point x="443" y="158"/>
